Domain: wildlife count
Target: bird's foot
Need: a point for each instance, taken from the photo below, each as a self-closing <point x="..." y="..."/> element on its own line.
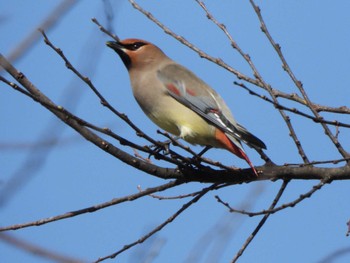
<point x="159" y="147"/>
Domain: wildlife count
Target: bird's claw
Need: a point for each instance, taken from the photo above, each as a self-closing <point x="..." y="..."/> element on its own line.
<point x="160" y="146"/>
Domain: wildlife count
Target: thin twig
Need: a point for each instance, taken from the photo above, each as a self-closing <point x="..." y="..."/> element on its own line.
<point x="104" y="30"/>
<point x="336" y="161"/>
<point x="277" y="209"/>
<point x="171" y="197"/>
<point x="94" y="208"/>
<point x="295" y="97"/>
<point x="218" y="186"/>
<point x="293" y="110"/>
<point x="261" y="223"/>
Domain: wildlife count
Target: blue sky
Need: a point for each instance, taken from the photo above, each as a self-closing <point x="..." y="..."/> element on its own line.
<point x="74" y="174"/>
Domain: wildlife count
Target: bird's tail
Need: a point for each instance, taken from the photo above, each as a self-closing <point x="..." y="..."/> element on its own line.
<point x="244" y="156"/>
<point x="234" y="146"/>
<point x="248" y="138"/>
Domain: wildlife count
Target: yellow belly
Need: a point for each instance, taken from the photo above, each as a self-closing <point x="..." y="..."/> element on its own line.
<point x="182" y="121"/>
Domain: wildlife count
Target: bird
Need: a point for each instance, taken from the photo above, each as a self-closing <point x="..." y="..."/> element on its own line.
<point x="179" y="102"/>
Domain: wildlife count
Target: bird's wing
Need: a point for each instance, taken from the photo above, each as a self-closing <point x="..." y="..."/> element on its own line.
<point x="189" y="90"/>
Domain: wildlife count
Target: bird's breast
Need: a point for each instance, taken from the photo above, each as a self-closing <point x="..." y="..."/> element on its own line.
<point x="179" y="120"/>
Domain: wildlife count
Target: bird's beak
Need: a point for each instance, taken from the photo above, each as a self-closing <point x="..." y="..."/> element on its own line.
<point x="121" y="51"/>
<point x="114" y="45"/>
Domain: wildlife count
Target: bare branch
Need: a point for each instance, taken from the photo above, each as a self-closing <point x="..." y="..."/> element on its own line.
<point x="115" y="37"/>
<point x="218" y="186"/>
<point x="295" y="97"/>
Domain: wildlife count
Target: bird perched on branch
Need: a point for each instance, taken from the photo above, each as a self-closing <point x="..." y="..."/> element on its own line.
<point x="179" y="102"/>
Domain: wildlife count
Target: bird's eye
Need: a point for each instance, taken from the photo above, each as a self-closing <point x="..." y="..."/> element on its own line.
<point x="136" y="45"/>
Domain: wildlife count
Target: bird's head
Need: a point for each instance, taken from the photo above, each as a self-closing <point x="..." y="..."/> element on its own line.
<point x="137" y="53"/>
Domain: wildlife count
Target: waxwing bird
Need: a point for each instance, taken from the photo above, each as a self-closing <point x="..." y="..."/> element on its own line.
<point x="179" y="102"/>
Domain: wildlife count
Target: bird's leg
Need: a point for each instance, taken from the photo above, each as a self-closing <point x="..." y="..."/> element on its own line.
<point x="160" y="146"/>
<point x="206" y="148"/>
<point x="163" y="146"/>
<point x="199" y="155"/>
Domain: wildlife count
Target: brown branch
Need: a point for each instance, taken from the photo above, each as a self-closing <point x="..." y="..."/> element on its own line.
<point x="336" y="161"/>
<point x="104" y="30"/>
<point x="341" y="109"/>
<point x="171" y="197"/>
<point x="295" y="97"/>
<point x="218" y="186"/>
